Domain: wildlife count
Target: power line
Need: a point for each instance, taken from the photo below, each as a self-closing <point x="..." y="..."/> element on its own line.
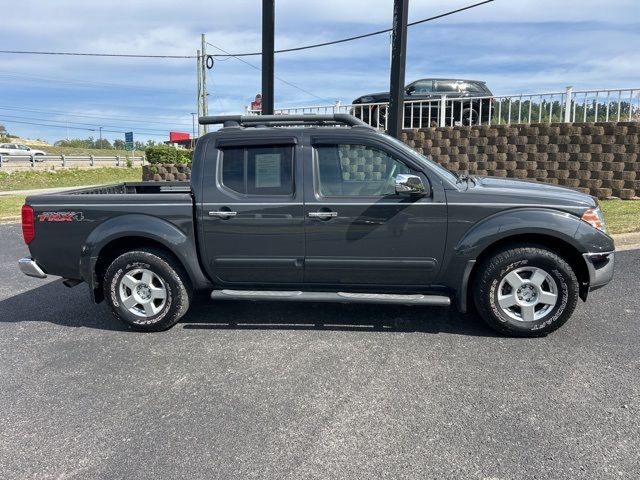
<point x="76" y="54"/>
<point x="82" y="83"/>
<point x="358" y="37"/>
<point x="107" y="117"/>
<point x="96" y="125"/>
<point x="78" y="128"/>
<point x="275" y="76"/>
<point x="227" y="54"/>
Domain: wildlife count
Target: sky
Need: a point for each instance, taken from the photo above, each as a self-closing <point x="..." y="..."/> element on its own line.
<point x="516" y="46"/>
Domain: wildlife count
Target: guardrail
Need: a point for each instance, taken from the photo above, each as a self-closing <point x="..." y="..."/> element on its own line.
<point x="66" y="161"/>
<point x="621" y="104"/>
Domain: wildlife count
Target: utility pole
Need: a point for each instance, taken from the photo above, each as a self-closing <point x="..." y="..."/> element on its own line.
<point x="100" y="138"/>
<point x="199" y="73"/>
<point x="268" y="42"/>
<point x="398" y="61"/>
<point x="193" y="129"/>
<point x="203" y="65"/>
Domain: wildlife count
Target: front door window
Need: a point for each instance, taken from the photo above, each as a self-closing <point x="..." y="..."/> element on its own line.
<point x="356" y="170"/>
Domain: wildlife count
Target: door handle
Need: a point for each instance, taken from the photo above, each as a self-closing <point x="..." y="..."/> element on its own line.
<point x="322" y="214"/>
<point x="222" y="213"/>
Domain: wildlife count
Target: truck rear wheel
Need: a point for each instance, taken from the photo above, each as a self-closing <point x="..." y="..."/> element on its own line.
<point x="525" y="291"/>
<point x="147" y="289"/>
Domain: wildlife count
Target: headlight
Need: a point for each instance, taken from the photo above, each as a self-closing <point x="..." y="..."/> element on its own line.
<point x="595" y="218"/>
<point x="367" y="99"/>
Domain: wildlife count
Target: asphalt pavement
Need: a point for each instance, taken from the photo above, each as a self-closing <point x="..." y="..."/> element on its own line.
<point x="242" y="390"/>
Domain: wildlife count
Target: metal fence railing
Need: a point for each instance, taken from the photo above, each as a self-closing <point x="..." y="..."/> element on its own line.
<point x="621" y="104"/>
<point x="67" y="161"/>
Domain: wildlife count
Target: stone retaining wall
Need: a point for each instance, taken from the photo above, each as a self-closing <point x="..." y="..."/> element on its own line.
<point x="166" y="172"/>
<point x="598" y="158"/>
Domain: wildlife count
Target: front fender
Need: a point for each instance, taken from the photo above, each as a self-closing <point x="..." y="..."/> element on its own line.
<point x="153" y="228"/>
<point x="501" y="225"/>
<point x="533" y="221"/>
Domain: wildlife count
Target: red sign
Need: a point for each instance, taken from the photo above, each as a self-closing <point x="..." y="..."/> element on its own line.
<point x="175" y="136"/>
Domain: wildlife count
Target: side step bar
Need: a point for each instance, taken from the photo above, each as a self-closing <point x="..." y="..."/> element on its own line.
<point x="345" y="297"/>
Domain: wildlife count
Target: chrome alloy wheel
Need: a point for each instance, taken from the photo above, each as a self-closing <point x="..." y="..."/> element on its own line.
<point x="527" y="294"/>
<point x="142" y="292"/>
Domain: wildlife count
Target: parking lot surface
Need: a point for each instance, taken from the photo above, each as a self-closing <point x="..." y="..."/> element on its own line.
<point x="242" y="390"/>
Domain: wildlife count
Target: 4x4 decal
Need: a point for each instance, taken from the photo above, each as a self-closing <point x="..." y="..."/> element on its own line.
<point x="60" y="217"/>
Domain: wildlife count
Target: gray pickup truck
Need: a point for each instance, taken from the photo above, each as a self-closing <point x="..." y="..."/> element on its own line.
<point x="323" y="208"/>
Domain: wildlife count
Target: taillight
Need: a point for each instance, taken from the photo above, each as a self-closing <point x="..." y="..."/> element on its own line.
<point x="28" y="225"/>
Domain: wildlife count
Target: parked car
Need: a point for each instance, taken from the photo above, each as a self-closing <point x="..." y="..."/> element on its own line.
<point x="333" y="211"/>
<point x="422" y="103"/>
<point x="16" y="149"/>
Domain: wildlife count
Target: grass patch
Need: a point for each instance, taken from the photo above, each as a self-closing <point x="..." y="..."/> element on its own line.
<point x="68" y="178"/>
<point x="621" y="216"/>
<point x="10" y="206"/>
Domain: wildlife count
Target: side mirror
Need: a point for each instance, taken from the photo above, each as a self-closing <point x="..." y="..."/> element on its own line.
<point x="410" y="89"/>
<point x="411" y="185"/>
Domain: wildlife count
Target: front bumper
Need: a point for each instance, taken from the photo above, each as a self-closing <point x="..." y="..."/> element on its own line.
<point x="600" y="266"/>
<point x="29" y="267"/>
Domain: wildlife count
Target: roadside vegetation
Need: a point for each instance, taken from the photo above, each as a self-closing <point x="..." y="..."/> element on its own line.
<point x="72" y="177"/>
<point x="10" y="207"/>
<point x="621" y="216"/>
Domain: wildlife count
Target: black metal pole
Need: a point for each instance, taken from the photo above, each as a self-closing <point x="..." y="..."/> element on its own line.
<point x="268" y="42"/>
<point x="398" y="60"/>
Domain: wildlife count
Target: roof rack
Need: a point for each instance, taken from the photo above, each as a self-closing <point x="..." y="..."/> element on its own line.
<point x="282" y="120"/>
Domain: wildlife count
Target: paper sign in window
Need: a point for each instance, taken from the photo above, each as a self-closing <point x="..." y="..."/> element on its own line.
<point x="268" y="170"/>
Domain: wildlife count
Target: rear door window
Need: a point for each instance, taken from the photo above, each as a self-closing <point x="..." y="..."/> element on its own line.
<point x="258" y="171"/>
<point x="472" y="88"/>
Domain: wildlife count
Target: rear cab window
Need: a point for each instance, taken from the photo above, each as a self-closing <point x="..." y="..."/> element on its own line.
<point x="257" y="170"/>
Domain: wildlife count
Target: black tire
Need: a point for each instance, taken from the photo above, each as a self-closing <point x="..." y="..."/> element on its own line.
<point x="492" y="287"/>
<point x="167" y="274"/>
<point x="470" y="117"/>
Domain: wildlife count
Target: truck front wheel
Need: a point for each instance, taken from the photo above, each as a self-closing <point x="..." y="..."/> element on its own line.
<point x="525" y="291"/>
<point x="147" y="289"/>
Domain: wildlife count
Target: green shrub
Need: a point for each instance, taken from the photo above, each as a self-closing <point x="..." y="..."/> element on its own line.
<point x="166" y="154"/>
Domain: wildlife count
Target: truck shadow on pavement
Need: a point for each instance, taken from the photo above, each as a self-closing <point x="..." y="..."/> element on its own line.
<point x="256" y="315"/>
<point x="54" y="303"/>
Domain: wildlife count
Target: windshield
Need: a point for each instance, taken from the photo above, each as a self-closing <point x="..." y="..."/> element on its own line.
<point x="452" y="177"/>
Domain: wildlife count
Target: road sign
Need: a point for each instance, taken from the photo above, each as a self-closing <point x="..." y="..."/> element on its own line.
<point x="128" y="140"/>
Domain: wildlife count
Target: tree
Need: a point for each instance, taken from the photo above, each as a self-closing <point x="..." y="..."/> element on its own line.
<point x="3" y="131"/>
<point x="76" y="142"/>
<point x="118" y="144"/>
<point x="138" y="145"/>
<point x="103" y="144"/>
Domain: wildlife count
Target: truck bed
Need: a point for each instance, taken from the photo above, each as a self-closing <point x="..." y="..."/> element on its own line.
<point x="67" y="221"/>
<point x="131" y="188"/>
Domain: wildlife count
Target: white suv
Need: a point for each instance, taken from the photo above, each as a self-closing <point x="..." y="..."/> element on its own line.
<point x="14" y="149"/>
